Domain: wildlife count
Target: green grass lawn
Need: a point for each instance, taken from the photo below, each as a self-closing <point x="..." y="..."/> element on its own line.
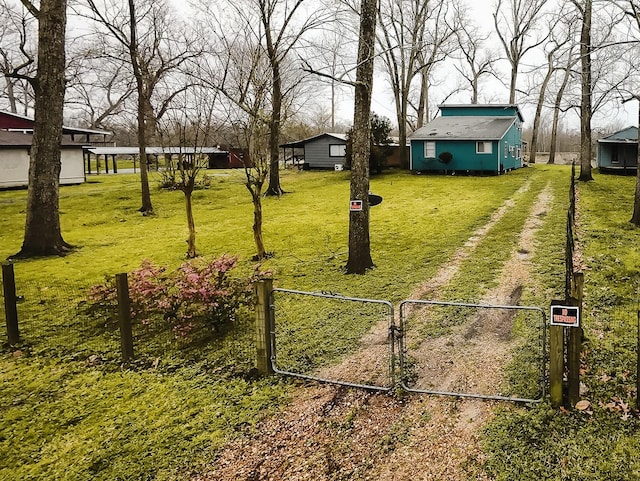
<point x="70" y="419"/>
<point x="601" y="442"/>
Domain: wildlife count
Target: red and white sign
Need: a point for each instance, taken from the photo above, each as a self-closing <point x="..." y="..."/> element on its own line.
<point x="355" y="206"/>
<point x="567" y="316"/>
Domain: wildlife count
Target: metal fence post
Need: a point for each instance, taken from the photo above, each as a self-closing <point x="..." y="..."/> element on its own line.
<point x="10" y="307"/>
<point x="124" y="317"/>
<point x="262" y="290"/>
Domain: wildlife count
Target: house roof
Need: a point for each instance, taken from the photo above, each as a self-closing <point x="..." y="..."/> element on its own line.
<point x="461" y="127"/>
<point x="154" y="150"/>
<point x="483" y="107"/>
<point x="17" y="122"/>
<point x="10" y="140"/>
<point x="628" y="135"/>
<point x="301" y="143"/>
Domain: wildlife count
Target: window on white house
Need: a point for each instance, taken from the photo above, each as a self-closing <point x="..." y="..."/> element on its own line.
<point x="337" y="150"/>
<point x="429" y="150"/>
<point x="483" y="147"/>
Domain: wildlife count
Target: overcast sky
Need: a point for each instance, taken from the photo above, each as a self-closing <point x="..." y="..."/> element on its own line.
<point x="481" y="13"/>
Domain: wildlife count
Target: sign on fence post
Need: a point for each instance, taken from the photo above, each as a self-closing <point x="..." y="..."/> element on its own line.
<point x="124" y="317"/>
<point x="262" y="290"/>
<point x="10" y="308"/>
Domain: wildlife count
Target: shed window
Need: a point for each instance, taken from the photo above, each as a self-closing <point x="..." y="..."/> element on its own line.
<point x="483" y="147"/>
<point x="337" y="150"/>
<point x="429" y="150"/>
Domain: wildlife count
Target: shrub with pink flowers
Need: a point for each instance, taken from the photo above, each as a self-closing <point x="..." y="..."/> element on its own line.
<point x="199" y="294"/>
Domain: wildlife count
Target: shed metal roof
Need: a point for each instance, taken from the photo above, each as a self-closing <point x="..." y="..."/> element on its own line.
<point x="628" y="135"/>
<point x="301" y="143"/>
<point x="464" y="128"/>
<point x="154" y="150"/>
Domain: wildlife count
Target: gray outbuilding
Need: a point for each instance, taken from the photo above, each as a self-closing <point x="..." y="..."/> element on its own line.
<point x="323" y="151"/>
<point x="618" y="152"/>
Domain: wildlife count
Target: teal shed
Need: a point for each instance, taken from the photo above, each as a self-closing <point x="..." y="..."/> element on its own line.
<point x="469" y="139"/>
<point x="618" y="152"/>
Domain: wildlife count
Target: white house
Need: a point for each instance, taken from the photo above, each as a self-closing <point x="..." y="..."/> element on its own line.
<point x="14" y="160"/>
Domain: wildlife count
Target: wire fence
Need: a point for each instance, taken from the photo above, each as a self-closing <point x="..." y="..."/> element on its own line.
<point x="570" y="251"/>
<point x="62" y="321"/>
<point x="618" y="327"/>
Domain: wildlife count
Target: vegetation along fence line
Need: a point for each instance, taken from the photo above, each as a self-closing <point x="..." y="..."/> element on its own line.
<point x="65" y="321"/>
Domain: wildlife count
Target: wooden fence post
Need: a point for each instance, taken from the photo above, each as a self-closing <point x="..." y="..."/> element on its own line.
<point x="556" y="364"/>
<point x="10" y="299"/>
<point x="124" y="317"/>
<point x="264" y="324"/>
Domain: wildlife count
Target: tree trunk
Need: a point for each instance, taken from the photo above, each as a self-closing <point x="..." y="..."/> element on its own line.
<point x="143" y="115"/>
<point x="274" y="136"/>
<point x="635" y="219"/>
<point x="423" y="102"/>
<point x="191" y="241"/>
<point x="402" y="140"/>
<point x="147" y="207"/>
<point x="536" y="119"/>
<point x="585" y="105"/>
<point x="42" y="229"/>
<point x="554" y="138"/>
<point x="554" y="124"/>
<point x="512" y="85"/>
<point x="257" y="223"/>
<point x="11" y="95"/>
<point x="359" y="246"/>
<point x="474" y="90"/>
<point x="402" y="101"/>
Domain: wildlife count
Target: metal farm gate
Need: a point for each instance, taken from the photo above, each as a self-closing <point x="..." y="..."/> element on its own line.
<point x="444" y="348"/>
<point x="466" y="350"/>
<point x="353" y="341"/>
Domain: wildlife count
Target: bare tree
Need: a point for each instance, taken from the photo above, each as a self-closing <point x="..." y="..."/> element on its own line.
<point x="334" y="53"/>
<point x="153" y="43"/>
<point x="557" y="104"/>
<point x="17" y="56"/>
<point x="42" y="229"/>
<point x="439" y="44"/>
<point x="477" y="61"/>
<point x="585" y="9"/>
<point x="239" y="70"/>
<point x="280" y="27"/>
<point x="256" y="170"/>
<point x="402" y="26"/>
<point x="560" y="43"/>
<point x="515" y="23"/>
<point x="413" y="35"/>
<point x="185" y="135"/>
<point x="101" y="86"/>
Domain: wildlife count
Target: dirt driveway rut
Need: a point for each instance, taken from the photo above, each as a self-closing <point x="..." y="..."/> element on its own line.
<point x="335" y="433"/>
